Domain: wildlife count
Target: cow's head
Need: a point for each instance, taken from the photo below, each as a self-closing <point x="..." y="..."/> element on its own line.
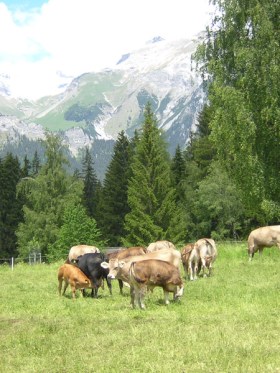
<point x="114" y="267"/>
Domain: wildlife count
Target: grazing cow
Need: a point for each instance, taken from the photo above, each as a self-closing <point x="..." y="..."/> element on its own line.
<point x="123" y="254"/>
<point x="202" y="256"/>
<point x="119" y="269"/>
<point x="185" y="256"/>
<point x="263" y="237"/>
<point x="79" y="250"/>
<point x="90" y="264"/>
<point x="72" y="275"/>
<point x="150" y="273"/>
<point x="160" y="245"/>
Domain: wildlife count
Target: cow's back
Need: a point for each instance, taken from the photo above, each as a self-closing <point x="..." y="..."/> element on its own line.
<point x="154" y="271"/>
<point x="79" y="250"/>
<point x="160" y="245"/>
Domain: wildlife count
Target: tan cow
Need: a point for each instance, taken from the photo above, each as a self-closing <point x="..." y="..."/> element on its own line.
<point x="185" y="257"/>
<point x="202" y="257"/>
<point x="160" y="245"/>
<point x="72" y="275"/>
<point x="123" y="254"/>
<point x="147" y="274"/>
<point x="79" y="250"/>
<point x="263" y="237"/>
<point x="119" y="269"/>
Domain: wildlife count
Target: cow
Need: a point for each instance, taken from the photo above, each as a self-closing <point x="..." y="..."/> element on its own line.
<point x="147" y="274"/>
<point x="79" y="250"/>
<point x="119" y="269"/>
<point x="263" y="237"/>
<point x="185" y="257"/>
<point x="202" y="257"/>
<point x="90" y="265"/>
<point x="160" y="245"/>
<point x="72" y="275"/>
<point x="123" y="254"/>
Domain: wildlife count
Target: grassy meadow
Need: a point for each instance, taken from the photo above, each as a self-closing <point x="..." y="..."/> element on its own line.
<point x="227" y="323"/>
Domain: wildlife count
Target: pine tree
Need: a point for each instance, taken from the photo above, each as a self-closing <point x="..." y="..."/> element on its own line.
<point x="35" y="164"/>
<point x="10" y="205"/>
<point x="150" y="195"/>
<point x="90" y="193"/>
<point x="114" y="204"/>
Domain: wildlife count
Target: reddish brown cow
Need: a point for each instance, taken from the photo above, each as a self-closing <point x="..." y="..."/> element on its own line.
<point x="151" y="273"/>
<point x="72" y="275"/>
<point x="185" y="256"/>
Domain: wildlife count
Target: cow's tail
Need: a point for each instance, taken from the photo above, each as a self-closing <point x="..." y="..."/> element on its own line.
<point x="132" y="273"/>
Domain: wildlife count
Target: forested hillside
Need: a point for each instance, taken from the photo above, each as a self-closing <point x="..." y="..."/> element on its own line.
<point x="226" y="182"/>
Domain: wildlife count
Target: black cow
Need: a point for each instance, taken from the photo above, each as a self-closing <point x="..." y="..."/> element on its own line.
<point x="90" y="265"/>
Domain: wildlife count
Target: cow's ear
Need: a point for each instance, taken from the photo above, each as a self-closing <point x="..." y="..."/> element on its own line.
<point x="104" y="265"/>
<point x="121" y="264"/>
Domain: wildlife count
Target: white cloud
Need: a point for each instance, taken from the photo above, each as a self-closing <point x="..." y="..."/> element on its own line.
<point x="76" y="36"/>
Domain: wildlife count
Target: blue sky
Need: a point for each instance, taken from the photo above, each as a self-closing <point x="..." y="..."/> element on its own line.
<point x="76" y="36"/>
<point x="24" y="5"/>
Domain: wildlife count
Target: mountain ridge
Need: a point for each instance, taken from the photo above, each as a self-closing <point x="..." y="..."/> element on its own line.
<point x="97" y="106"/>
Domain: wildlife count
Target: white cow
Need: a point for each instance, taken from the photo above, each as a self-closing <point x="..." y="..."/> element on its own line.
<point x="263" y="237"/>
<point x="160" y="245"/>
<point x="202" y="257"/>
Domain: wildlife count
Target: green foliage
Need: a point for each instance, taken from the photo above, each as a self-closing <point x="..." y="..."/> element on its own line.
<point x="150" y="195"/>
<point x="219" y="207"/>
<point x="46" y="198"/>
<point x="78" y="113"/>
<point x="240" y="59"/>
<point x="77" y="228"/>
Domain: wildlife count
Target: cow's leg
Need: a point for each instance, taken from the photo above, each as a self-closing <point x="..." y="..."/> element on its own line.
<point x="121" y="286"/>
<point x="133" y="293"/>
<point x="141" y="296"/>
<point x="195" y="270"/>
<point x="65" y="287"/>
<point x="186" y="270"/>
<point x="59" y="286"/>
<point x="109" y="284"/>
<point x="166" y="297"/>
<point x="203" y="265"/>
<point x="191" y="271"/>
<point x="73" y="288"/>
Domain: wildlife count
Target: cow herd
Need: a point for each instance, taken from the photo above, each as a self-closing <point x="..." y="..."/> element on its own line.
<point x="142" y="268"/>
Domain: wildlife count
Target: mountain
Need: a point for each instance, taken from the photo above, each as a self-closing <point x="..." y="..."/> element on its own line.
<point x="96" y="106"/>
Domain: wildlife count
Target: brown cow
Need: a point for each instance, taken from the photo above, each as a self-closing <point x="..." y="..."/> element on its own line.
<point x="185" y="256"/>
<point x="263" y="237"/>
<point x="119" y="269"/>
<point x="147" y="274"/>
<point x="160" y="245"/>
<point x="72" y="275"/>
<point x="79" y="250"/>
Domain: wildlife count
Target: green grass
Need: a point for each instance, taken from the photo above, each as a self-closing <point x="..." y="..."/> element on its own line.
<point x="227" y="323"/>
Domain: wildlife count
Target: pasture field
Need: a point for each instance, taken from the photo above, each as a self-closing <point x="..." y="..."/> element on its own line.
<point x="227" y="323"/>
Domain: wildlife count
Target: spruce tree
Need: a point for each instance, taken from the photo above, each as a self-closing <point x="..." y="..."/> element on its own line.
<point x="150" y="195"/>
<point x="10" y="205"/>
<point x="114" y="205"/>
<point x="90" y="192"/>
